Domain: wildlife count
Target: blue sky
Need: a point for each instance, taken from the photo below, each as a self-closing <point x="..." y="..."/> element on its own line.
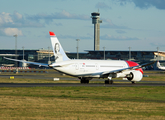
<point x="139" y="24"/>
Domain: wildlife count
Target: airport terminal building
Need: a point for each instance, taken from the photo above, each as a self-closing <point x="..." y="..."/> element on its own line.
<point x="46" y="56"/>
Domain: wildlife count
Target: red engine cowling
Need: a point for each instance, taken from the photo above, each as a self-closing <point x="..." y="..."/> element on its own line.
<point x="135" y="76"/>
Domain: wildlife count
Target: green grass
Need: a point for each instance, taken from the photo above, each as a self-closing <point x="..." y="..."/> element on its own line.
<point x="82" y="103"/>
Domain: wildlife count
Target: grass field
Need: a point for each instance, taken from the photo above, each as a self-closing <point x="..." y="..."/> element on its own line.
<point x="82" y="103"/>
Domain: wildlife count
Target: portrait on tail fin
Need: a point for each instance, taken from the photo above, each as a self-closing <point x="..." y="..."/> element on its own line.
<point x="58" y="55"/>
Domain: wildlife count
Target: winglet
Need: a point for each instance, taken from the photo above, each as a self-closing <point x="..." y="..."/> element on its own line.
<point x="51" y="33"/>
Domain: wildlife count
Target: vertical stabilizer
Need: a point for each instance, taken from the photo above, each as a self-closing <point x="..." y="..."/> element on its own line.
<point x="158" y="64"/>
<point x="57" y="49"/>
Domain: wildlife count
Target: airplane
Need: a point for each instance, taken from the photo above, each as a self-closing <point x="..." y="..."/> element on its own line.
<point x="159" y="66"/>
<point x="86" y="69"/>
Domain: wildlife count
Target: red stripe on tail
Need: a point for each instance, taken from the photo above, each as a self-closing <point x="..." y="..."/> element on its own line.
<point x="51" y="33"/>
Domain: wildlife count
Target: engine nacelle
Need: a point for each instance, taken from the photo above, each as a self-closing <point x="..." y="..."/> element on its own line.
<point x="135" y="76"/>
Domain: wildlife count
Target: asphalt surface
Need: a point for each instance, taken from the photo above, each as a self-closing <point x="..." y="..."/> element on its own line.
<point x="117" y="83"/>
<point x="78" y="84"/>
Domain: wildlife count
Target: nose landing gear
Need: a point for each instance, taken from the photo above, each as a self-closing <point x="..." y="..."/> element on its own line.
<point x="109" y="81"/>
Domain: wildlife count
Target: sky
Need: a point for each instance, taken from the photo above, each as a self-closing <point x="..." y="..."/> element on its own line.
<point x="139" y="24"/>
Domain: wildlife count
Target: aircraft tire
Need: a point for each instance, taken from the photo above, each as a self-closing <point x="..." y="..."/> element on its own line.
<point x="133" y="82"/>
<point x="87" y="81"/>
<point x="108" y="81"/>
<point x="84" y="81"/>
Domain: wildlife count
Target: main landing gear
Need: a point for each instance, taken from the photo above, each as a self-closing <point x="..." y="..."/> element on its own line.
<point x="84" y="80"/>
<point x="109" y="81"/>
<point x="133" y="82"/>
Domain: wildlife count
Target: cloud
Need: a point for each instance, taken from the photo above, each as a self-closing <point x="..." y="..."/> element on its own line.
<point x="11" y="22"/>
<point x="58" y="24"/>
<point x="58" y="15"/>
<point x="16" y="20"/>
<point x="111" y="25"/>
<point x="104" y="37"/>
<point x="102" y="5"/>
<point x="110" y="37"/>
<point x="5" y="18"/>
<point x="75" y="37"/>
<point x="10" y="32"/>
<point x="157" y="44"/>
<point x="120" y="31"/>
<point x="145" y="4"/>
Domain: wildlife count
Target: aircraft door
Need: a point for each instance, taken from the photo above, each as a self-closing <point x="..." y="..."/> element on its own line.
<point x="76" y="66"/>
<point x="97" y="66"/>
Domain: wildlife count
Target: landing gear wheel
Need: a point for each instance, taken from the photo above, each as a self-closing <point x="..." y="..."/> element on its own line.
<point x="133" y="82"/>
<point x="84" y="81"/>
<point x="108" y="81"/>
<point x="87" y="81"/>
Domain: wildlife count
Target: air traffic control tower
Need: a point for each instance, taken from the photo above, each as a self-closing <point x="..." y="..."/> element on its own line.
<point x="96" y="21"/>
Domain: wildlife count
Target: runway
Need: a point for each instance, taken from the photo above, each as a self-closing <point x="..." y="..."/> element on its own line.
<point x="49" y="77"/>
<point x="78" y="84"/>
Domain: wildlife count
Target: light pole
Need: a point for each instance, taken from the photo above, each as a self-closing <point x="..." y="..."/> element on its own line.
<point x="104" y="52"/>
<point x="15" y="48"/>
<point x="23" y="52"/>
<point x="129" y="53"/>
<point x="158" y="53"/>
<point x="77" y="48"/>
<point x="49" y="55"/>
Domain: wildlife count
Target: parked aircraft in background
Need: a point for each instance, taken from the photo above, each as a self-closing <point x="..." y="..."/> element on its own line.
<point x="85" y="70"/>
<point x="159" y="66"/>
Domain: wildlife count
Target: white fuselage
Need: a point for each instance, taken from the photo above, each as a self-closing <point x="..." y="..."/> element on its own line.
<point x="87" y="68"/>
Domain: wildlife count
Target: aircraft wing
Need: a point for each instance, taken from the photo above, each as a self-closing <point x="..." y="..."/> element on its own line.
<point x="129" y="68"/>
<point x="124" y="69"/>
<point x="34" y="63"/>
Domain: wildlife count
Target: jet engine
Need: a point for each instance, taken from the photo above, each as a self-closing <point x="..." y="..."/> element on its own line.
<point x="134" y="76"/>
